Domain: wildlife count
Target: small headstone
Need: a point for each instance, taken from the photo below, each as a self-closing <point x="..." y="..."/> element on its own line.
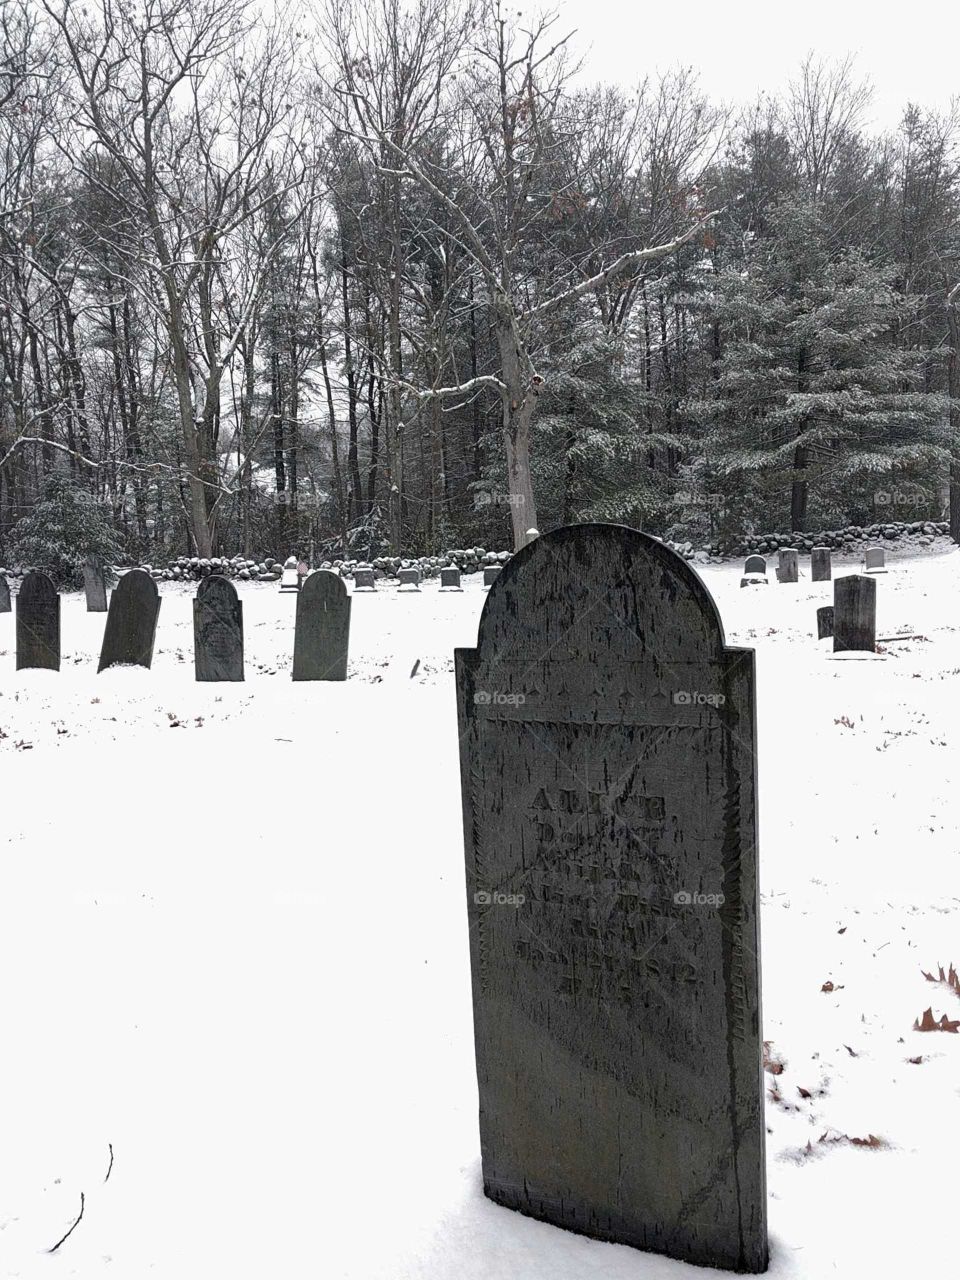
<point x="4" y="594"/>
<point x="755" y="564"/>
<point x="820" y="566"/>
<point x="38" y="623"/>
<point x="450" y="579"/>
<point x="874" y="560"/>
<point x="322" y="636"/>
<point x="364" y="579"/>
<point x="95" y="586"/>
<point x="217" y="630"/>
<point x="290" y="579"/>
<point x="788" y="568"/>
<point x="131" y="621"/>
<point x="825" y="622"/>
<point x="854" y="614"/>
<point x="491" y="573"/>
<point x="408" y="578"/>
<point x="609" y="778"/>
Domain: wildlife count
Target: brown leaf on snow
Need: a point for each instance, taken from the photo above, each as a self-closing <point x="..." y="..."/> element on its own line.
<point x="949" y="979"/>
<point x="929" y="1023"/>
<point x="852" y="1053"/>
<point x="772" y="1062"/>
<point x="804" y="1093"/>
<point x="917" y="1060"/>
<point x="828" y="987"/>
<point x="871" y="1140"/>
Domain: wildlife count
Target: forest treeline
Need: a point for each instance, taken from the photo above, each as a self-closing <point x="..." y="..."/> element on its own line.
<point x="396" y="276"/>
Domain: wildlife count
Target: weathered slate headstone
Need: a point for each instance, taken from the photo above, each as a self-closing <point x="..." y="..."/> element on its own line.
<point x="820" y="567"/>
<point x="854" y="614"/>
<point x="217" y="630"/>
<point x="38" y="623"/>
<point x="408" y="578"/>
<point x="131" y="621"/>
<point x="609" y="791"/>
<point x="874" y="560"/>
<point x="755" y="564"/>
<point x="4" y="594"/>
<point x="95" y="586"/>
<point x="788" y="568"/>
<point x="322" y="637"/>
<point x="450" y="579"/>
<point x="364" y="579"/>
<point x="491" y="573"/>
<point x="825" y="622"/>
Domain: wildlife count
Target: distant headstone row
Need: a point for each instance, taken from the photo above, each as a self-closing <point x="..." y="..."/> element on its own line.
<point x="321" y="637"/>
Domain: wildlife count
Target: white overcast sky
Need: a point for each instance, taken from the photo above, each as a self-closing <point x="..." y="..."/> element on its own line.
<point x="910" y="51"/>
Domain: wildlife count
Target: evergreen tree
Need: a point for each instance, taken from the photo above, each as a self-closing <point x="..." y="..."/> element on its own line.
<point x="815" y="409"/>
<point x="65" y="527"/>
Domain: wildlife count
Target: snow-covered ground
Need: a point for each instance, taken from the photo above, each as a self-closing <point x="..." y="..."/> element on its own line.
<point x="233" y="952"/>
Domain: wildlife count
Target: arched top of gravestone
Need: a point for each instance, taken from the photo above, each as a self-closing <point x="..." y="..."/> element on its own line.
<point x="323" y="584"/>
<point x="217" y="585"/>
<point x="37" y="586"/>
<point x="137" y="582"/>
<point x="599" y="588"/>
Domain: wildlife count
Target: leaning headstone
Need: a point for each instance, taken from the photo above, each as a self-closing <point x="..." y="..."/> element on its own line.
<point x="131" y="621"/>
<point x="322" y="635"/>
<point x="450" y="579"/>
<point x="755" y="564"/>
<point x="364" y="579"/>
<point x="825" y="622"/>
<point x="4" y="594"/>
<point x="820" y="566"/>
<point x="38" y="623"/>
<point x="491" y="573"/>
<point x="788" y="569"/>
<point x="217" y="630"/>
<point x="609" y="790"/>
<point x="874" y="560"/>
<point x="94" y="585"/>
<point x="408" y="578"/>
<point x="854" y="614"/>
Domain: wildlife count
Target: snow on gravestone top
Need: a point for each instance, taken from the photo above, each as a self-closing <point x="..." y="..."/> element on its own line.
<point x="217" y="630"/>
<point x="607" y="738"/>
<point x="38" y="623"/>
<point x="131" y="621"/>
<point x="322" y="632"/>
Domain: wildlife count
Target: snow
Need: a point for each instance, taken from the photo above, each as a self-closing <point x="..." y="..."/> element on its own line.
<point x="233" y="945"/>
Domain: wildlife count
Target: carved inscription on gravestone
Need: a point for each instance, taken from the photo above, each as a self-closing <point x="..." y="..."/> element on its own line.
<point x="607" y="739"/>
<point x="218" y="630"/>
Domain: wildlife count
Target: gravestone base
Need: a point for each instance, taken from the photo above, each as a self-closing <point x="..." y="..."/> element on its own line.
<point x="754" y="580"/>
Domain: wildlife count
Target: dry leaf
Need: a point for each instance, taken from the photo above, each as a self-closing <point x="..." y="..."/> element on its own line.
<point x="929" y="1023"/>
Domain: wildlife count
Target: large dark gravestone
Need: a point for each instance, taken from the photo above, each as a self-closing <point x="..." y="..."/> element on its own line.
<point x="4" y="594"/>
<point x="131" y="622"/>
<point x="609" y="796"/>
<point x="855" y="615"/>
<point x="95" y="586"/>
<point x="38" y="623"/>
<point x="217" y="630"/>
<point x="322" y="636"/>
